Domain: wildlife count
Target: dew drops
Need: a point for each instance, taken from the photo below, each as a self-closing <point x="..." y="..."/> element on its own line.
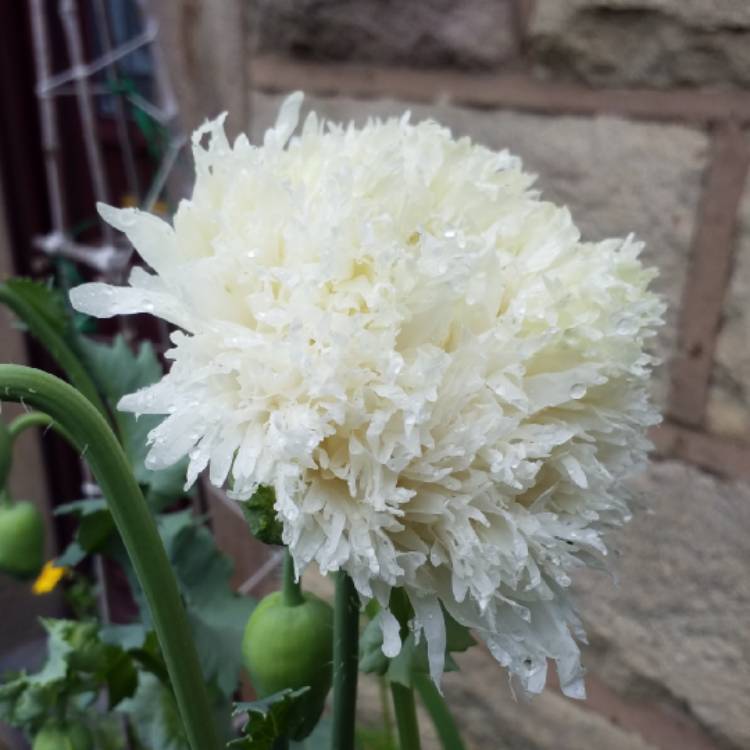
<point x="578" y="391"/>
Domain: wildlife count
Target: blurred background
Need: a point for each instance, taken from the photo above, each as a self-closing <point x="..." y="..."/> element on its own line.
<point x="632" y="112"/>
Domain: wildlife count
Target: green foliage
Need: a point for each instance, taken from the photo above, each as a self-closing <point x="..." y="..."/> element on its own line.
<point x="44" y="314"/>
<point x="117" y="372"/>
<point x="412" y="659"/>
<point x="216" y="613"/>
<point x="46" y="302"/>
<point x="153" y="714"/>
<point x="95" y="528"/>
<point x="63" y="736"/>
<point x="267" y="719"/>
<point x="261" y="516"/>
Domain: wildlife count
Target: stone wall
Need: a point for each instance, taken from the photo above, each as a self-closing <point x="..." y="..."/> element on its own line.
<point x="635" y="113"/>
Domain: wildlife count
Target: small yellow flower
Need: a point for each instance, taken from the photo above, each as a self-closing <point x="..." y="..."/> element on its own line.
<point x="48" y="579"/>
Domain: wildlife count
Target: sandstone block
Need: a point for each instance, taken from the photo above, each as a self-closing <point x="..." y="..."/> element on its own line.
<point x="469" y="34"/>
<point x="657" y="43"/>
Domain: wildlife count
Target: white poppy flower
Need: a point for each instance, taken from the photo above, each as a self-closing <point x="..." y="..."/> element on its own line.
<point x="444" y="385"/>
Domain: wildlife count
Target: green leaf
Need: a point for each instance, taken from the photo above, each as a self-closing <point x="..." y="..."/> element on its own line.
<point x="267" y="719"/>
<point x="412" y="659"/>
<point x="59" y="649"/>
<point x="154" y="716"/>
<point x="46" y="302"/>
<point x="141" y="645"/>
<point x="372" y="660"/>
<point x="95" y="528"/>
<point x="117" y="372"/>
<point x="122" y="680"/>
<point x="261" y="516"/>
<point x="217" y="615"/>
<point x="27" y="700"/>
<point x="458" y="638"/>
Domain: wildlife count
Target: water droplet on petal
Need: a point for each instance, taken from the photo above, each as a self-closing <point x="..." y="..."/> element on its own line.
<point x="578" y="391"/>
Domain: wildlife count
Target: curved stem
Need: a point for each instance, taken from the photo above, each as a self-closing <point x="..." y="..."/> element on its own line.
<point x="291" y="591"/>
<point x="406" y="716"/>
<point x="345" y="662"/>
<point x="110" y="467"/>
<point x="439" y="712"/>
<point x="37" y="419"/>
<point x="58" y="348"/>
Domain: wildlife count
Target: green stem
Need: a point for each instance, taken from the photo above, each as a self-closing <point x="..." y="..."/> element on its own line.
<point x="439" y="713"/>
<point x="111" y="470"/>
<point x="406" y="717"/>
<point x="291" y="592"/>
<point x="55" y="344"/>
<point x="37" y="419"/>
<point x="345" y="662"/>
<point x="386" y="707"/>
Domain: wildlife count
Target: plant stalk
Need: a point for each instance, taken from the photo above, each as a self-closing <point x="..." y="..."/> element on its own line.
<point x="440" y="714"/>
<point x="406" y="716"/>
<point x="96" y="441"/>
<point x="345" y="662"/>
<point x="291" y="591"/>
<point x="37" y="419"/>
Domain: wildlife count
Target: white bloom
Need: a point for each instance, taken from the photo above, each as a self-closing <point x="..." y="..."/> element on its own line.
<point x="443" y="384"/>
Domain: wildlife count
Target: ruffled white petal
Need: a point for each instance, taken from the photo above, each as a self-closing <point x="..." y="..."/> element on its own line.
<point x="444" y="385"/>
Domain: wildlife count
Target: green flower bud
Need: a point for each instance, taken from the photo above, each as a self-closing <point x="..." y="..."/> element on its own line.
<point x="288" y="646"/>
<point x="21" y="540"/>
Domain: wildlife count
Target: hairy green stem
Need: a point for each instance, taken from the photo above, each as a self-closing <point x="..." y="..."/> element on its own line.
<point x="291" y="591"/>
<point x="55" y="344"/>
<point x="345" y="662"/>
<point x="406" y="716"/>
<point x="110" y="467"/>
<point x="439" y="712"/>
<point x="37" y="419"/>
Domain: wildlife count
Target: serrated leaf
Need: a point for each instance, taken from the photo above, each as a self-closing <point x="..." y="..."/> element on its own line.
<point x="58" y="651"/>
<point x="118" y="371"/>
<point x="217" y="614"/>
<point x="267" y="719"/>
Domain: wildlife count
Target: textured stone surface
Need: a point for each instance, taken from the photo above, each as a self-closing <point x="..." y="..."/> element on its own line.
<point x="616" y="176"/>
<point x="675" y="630"/>
<point x="729" y="397"/>
<point x="643" y="42"/>
<point x="469" y="34"/>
